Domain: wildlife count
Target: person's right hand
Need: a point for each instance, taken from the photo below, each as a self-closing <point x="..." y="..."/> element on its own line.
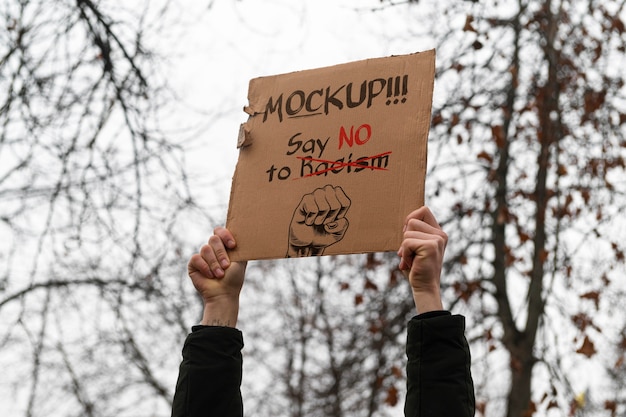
<point x="421" y="258"/>
<point x="217" y="279"/>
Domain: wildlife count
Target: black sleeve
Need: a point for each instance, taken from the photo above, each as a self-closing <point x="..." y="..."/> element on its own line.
<point x="439" y="379"/>
<point x="209" y="378"/>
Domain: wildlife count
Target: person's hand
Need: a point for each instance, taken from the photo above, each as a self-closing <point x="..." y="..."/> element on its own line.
<point x="217" y="279"/>
<point x="421" y="258"/>
<point x="318" y="221"/>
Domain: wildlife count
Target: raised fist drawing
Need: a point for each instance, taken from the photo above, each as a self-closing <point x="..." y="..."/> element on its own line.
<point x="318" y="222"/>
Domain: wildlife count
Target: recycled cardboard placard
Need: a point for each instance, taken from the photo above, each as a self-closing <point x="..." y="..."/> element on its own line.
<point x="331" y="160"/>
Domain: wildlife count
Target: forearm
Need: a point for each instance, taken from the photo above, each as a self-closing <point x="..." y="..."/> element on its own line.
<point x="210" y="374"/>
<point x="439" y="381"/>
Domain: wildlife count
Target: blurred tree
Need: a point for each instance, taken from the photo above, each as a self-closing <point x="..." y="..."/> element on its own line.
<point x="527" y="154"/>
<point x="615" y="404"/>
<point x="527" y="177"/>
<point x="338" y="330"/>
<point x="92" y="190"/>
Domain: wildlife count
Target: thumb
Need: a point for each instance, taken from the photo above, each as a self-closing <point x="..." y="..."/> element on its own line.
<point x="339" y="226"/>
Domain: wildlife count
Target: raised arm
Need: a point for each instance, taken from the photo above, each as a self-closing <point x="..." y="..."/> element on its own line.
<point x="439" y="380"/>
<point x="209" y="378"/>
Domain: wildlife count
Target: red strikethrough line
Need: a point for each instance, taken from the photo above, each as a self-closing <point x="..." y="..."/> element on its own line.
<point x="342" y="164"/>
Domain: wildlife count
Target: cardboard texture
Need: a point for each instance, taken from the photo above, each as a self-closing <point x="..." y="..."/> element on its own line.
<point x="332" y="160"/>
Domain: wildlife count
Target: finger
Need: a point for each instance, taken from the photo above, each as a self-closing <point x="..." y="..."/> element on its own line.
<point x="410" y="250"/>
<point x="198" y="264"/>
<point x="406" y="258"/>
<point x="424" y="214"/>
<point x="322" y="206"/>
<point x="337" y="227"/>
<point x="226" y="236"/>
<point x="422" y="226"/>
<point x="210" y="256"/>
<point x="420" y="237"/>
<point x="219" y="248"/>
<point x="419" y="240"/>
<point x="425" y="233"/>
<point x="307" y="210"/>
<point x="333" y="203"/>
<point x="423" y="246"/>
<point x="344" y="201"/>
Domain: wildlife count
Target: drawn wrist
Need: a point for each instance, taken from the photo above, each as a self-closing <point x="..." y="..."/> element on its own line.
<point x="303" y="251"/>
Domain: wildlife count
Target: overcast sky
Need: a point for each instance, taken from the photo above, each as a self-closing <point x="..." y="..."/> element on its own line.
<point x="236" y="41"/>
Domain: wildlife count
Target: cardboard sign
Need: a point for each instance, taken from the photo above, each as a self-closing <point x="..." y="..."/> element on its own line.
<point x="332" y="160"/>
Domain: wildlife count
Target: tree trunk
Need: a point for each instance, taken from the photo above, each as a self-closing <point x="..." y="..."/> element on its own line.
<point x="519" y="399"/>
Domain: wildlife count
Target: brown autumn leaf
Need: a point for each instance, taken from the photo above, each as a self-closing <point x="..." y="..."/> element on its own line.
<point x="371" y="261"/>
<point x="369" y="285"/>
<point x="392" y="396"/>
<point x="523" y="236"/>
<point x="593" y="100"/>
<point x="488" y="335"/>
<point x="532" y="408"/>
<point x="358" y="299"/>
<point x="468" y="27"/>
<point x="509" y="257"/>
<point x="617" y="24"/>
<point x="397" y="371"/>
<point x="457" y="67"/>
<point x="393" y="277"/>
<point x="498" y="134"/>
<point x="593" y="296"/>
<point x="582" y="321"/>
<point x="374" y="328"/>
<point x="611" y="406"/>
<point x="619" y="254"/>
<point x="484" y="155"/>
<point x="588" y="349"/>
<point x="586" y="195"/>
<point x="455" y="119"/>
<point x="464" y="290"/>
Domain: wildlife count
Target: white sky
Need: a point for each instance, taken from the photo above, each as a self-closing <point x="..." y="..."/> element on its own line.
<point x="235" y="41"/>
<point x="241" y="40"/>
